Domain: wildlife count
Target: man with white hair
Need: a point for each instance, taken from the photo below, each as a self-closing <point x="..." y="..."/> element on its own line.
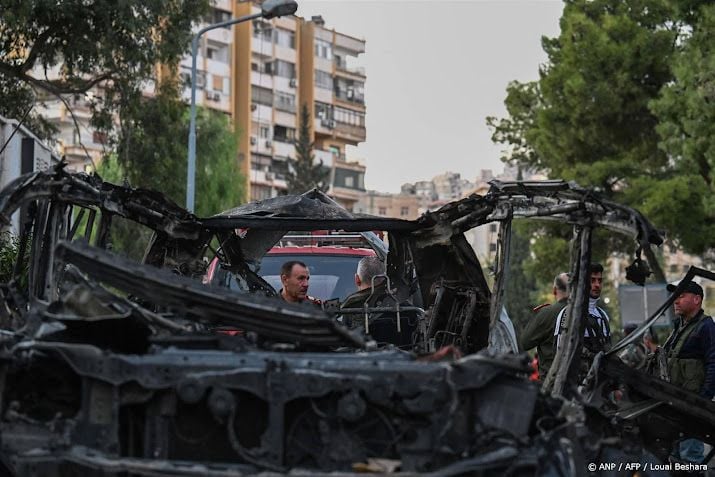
<point x="367" y="269"/>
<point x="382" y="325"/>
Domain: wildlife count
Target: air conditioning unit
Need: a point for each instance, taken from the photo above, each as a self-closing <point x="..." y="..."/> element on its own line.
<point x="269" y="143"/>
<point x="253" y="140"/>
<point x="332" y="124"/>
<point x="293" y="82"/>
<point x="270" y="176"/>
<point x="254" y="106"/>
<point x="217" y="97"/>
<point x="351" y="93"/>
<point x="201" y="81"/>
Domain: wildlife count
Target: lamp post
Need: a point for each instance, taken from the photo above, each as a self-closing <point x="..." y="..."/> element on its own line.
<point x="269" y="9"/>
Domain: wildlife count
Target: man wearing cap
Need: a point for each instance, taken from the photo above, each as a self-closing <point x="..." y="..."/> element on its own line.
<point x="690" y="349"/>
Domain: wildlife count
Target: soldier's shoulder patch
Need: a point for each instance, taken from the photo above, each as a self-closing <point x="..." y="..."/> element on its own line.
<point x="539" y="307"/>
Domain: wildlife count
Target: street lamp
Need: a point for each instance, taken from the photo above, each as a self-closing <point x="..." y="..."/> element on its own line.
<point x="269" y="9"/>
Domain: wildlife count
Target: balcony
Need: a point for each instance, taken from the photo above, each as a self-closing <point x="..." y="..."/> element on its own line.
<point x="220" y="35"/>
<point x="283" y="148"/>
<point x="342" y="67"/>
<point x="218" y="67"/>
<point x="261" y="46"/>
<point x="260" y="145"/>
<point x="355" y="133"/>
<point x="261" y="112"/>
<point x="262" y="79"/>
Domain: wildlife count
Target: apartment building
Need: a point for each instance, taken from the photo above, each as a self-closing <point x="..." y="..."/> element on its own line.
<point x="400" y="206"/>
<point x="261" y="73"/>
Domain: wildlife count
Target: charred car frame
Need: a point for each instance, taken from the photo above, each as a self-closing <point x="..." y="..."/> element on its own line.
<point x="115" y="367"/>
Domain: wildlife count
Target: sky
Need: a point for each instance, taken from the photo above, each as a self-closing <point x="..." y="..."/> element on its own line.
<point x="435" y="70"/>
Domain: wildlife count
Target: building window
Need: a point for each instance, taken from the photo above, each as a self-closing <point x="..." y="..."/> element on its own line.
<point x="673" y="269"/>
<point x="217" y="82"/>
<point x="260" y="192"/>
<point x="349" y="90"/>
<point x="349" y="181"/>
<point x="323" y="79"/>
<point x="404" y="211"/>
<point x="284" y="69"/>
<point x="350" y="117"/>
<point x="323" y="49"/>
<point x="262" y="95"/>
<point x="218" y="16"/>
<point x="492" y="247"/>
<point x="217" y="53"/>
<point x="323" y="111"/>
<point x="283" y="134"/>
<point x="262" y="130"/>
<point x="492" y="227"/>
<point x="262" y="31"/>
<point x="382" y="210"/>
<point x="334" y="150"/>
<point x="284" y="38"/>
<point x="285" y="101"/>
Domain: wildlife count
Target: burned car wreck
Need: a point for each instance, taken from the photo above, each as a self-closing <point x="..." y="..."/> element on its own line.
<point x="113" y="366"/>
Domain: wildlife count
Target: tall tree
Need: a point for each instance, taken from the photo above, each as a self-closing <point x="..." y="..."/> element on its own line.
<point x="304" y="173"/>
<point x="61" y="49"/>
<point x="152" y="152"/>
<point x="596" y="117"/>
<point x="610" y="60"/>
<point x="522" y="103"/>
<point x="686" y="113"/>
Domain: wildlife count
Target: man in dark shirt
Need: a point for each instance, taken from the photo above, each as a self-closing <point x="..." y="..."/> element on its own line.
<point x="382" y="326"/>
<point x="690" y="349"/>
<point x="539" y="331"/>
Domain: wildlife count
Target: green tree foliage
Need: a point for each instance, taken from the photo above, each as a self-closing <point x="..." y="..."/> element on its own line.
<point x="624" y="104"/>
<point x="520" y="286"/>
<point x="152" y="153"/>
<point x="9" y="247"/>
<point x="522" y="102"/>
<point x="686" y="112"/>
<point x="103" y="42"/>
<point x="306" y="174"/>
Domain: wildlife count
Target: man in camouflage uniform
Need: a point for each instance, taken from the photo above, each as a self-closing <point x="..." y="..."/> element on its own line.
<point x="539" y="331"/>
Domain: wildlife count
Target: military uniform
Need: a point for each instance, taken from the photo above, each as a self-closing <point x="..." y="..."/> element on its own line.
<point x="308" y="299"/>
<point x="691" y="355"/>
<point x="539" y="333"/>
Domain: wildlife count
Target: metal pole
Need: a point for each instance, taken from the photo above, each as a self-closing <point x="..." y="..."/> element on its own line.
<point x="191" y="161"/>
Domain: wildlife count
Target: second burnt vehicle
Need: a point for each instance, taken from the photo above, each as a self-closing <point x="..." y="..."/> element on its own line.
<point x="109" y="366"/>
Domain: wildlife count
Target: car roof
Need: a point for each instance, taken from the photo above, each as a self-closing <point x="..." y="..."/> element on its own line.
<point x="322" y="250"/>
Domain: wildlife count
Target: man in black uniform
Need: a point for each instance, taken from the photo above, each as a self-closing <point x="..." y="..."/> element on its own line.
<point x="382" y="326"/>
<point x="539" y="331"/>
